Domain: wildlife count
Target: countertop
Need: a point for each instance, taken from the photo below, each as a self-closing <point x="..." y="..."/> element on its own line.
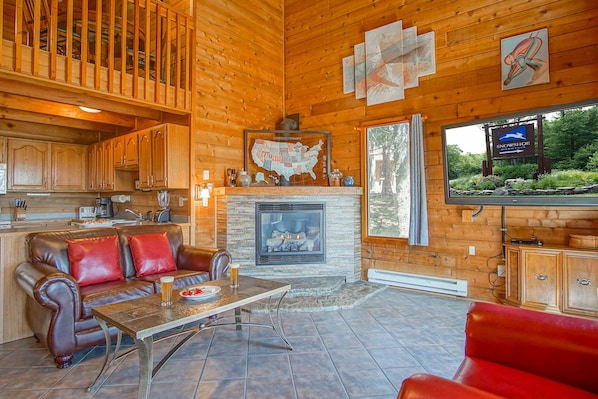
<point x="34" y="226"/>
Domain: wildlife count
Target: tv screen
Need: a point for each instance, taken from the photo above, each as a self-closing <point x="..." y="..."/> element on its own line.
<point x="545" y="157"/>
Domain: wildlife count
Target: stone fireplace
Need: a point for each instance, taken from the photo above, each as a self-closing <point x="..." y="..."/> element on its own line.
<point x="276" y="232"/>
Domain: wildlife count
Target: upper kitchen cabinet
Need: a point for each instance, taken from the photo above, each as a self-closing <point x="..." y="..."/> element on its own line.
<point x="3" y="143"/>
<point x="164" y="157"/>
<point x="69" y="167"/>
<point x="28" y="165"/>
<point x="126" y="152"/>
<point x="42" y="166"/>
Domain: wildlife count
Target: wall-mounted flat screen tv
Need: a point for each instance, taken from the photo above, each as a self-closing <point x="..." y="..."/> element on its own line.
<point x="545" y="157"/>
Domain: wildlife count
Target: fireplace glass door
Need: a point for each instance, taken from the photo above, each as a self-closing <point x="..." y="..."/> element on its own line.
<point x="290" y="233"/>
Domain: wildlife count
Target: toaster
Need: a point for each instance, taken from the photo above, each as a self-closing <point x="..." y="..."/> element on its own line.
<point x="87" y="212"/>
<point x="162" y="216"/>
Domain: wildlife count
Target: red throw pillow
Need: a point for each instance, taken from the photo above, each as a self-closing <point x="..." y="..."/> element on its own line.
<point x="151" y="254"/>
<point x="94" y="260"/>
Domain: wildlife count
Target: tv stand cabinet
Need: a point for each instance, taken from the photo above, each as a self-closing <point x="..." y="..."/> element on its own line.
<point x="552" y="279"/>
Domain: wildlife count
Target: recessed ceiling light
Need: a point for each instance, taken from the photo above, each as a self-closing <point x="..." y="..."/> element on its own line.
<point x="90" y="110"/>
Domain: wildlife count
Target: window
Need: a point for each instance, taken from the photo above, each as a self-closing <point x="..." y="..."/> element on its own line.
<point x="387" y="185"/>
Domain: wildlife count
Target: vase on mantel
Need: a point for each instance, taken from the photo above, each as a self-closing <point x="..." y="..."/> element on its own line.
<point x="334" y="178"/>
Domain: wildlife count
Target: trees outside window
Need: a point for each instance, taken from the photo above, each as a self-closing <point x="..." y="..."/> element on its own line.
<point x="387" y="191"/>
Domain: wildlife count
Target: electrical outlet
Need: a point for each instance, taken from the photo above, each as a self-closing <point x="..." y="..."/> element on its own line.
<point x="500" y="270"/>
<point x="471" y="250"/>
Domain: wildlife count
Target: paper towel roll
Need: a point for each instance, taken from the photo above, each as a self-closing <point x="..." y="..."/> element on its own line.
<point x="120" y="198"/>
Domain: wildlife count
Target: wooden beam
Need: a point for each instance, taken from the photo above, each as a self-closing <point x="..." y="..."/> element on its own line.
<point x="37" y="131"/>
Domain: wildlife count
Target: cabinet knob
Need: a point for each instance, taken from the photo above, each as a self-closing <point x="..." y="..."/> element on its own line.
<point x="541" y="276"/>
<point x="584" y="281"/>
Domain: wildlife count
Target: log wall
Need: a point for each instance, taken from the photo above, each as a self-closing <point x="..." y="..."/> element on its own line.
<point x="466" y="86"/>
<point x="238" y="85"/>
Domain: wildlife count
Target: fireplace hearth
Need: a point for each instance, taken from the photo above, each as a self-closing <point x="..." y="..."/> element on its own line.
<point x="290" y="233"/>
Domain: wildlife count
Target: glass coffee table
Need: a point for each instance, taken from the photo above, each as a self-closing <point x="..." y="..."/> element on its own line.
<point x="143" y="318"/>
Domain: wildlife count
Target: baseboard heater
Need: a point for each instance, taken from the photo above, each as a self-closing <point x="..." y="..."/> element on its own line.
<point x="419" y="282"/>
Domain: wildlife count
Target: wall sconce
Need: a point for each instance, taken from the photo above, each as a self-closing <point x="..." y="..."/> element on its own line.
<point x="202" y="192"/>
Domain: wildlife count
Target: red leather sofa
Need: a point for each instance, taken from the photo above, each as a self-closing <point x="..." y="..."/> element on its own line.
<point x="518" y="354"/>
<point x="70" y="272"/>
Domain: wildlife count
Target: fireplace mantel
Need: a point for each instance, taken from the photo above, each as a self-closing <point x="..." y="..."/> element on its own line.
<point x="236" y="213"/>
<point x="289" y="190"/>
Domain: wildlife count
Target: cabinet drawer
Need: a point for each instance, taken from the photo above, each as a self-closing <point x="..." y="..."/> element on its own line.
<point x="541" y="272"/>
<point x="580" y="279"/>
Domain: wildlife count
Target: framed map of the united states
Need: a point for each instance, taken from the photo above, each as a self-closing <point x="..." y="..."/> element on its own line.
<point x="288" y="157"/>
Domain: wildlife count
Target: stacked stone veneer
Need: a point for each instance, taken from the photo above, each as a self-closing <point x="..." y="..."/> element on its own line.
<point x="235" y="220"/>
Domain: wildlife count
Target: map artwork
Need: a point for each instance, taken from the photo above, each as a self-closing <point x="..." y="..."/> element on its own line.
<point x="286" y="159"/>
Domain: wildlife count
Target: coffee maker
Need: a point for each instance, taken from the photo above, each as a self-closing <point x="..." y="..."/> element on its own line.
<point x="104" y="208"/>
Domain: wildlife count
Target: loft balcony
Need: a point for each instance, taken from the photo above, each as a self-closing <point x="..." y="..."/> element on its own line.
<point x="139" y="51"/>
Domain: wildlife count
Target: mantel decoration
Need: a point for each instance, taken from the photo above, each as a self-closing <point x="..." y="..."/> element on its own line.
<point x="389" y="61"/>
<point x="288" y="157"/>
<point x="525" y="59"/>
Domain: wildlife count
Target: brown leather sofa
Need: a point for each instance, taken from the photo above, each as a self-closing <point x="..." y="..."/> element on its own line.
<point x="60" y="298"/>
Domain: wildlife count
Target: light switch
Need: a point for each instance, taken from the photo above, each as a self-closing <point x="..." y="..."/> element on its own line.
<point x="206" y="174"/>
<point x="471" y="250"/>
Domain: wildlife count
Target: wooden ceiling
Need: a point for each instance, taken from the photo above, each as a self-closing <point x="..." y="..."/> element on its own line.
<point x="45" y="112"/>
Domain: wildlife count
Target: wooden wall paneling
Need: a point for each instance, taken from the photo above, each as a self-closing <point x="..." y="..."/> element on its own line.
<point x="238" y="85"/>
<point x="466" y="86"/>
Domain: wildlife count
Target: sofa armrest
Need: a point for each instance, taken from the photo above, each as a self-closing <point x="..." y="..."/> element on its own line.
<point x="50" y="287"/>
<point x="212" y="260"/>
<point x="556" y="347"/>
<point x="426" y="386"/>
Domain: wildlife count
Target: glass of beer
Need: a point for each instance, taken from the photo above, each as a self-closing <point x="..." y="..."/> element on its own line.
<point x="233" y="270"/>
<point x="166" y="284"/>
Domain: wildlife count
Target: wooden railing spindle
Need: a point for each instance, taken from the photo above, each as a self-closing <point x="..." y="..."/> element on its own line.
<point x="123" y="47"/>
<point x="53" y="38"/>
<point x="18" y="50"/>
<point x="98" y="45"/>
<point x="36" y="37"/>
<point x="69" y="45"/>
<point x="111" y="47"/>
<point x="84" y="44"/>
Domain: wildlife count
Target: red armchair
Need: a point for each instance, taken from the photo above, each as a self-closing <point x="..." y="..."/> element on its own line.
<point x="517" y="353"/>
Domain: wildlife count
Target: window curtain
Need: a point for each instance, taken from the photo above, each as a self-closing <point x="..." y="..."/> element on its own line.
<point x="418" y="218"/>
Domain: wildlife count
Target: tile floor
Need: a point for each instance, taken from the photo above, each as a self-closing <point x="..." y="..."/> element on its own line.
<point x="364" y="352"/>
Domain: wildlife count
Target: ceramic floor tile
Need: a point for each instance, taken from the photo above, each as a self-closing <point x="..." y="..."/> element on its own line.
<point x="360" y="353"/>
<point x="318" y="386"/>
<point x="311" y="363"/>
<point x="371" y="382"/>
<point x="270" y="387"/>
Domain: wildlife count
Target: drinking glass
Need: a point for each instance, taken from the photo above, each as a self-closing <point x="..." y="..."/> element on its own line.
<point x="234" y="274"/>
<point x="166" y="284"/>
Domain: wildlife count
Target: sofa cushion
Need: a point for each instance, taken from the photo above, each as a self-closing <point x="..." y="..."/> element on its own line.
<point x="151" y="254"/>
<point x="514" y="384"/>
<point x="94" y="260"/>
<point x="111" y="292"/>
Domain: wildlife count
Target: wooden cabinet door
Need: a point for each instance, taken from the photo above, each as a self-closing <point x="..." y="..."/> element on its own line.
<point x="131" y="152"/>
<point x="92" y="167"/>
<point x="160" y="157"/>
<point x="69" y="167"/>
<point x="3" y="154"/>
<point x="513" y="274"/>
<point x="118" y="149"/>
<point x="145" y="158"/>
<point x="580" y="278"/>
<point x="541" y="275"/>
<point x="28" y="164"/>
<point x="107" y="166"/>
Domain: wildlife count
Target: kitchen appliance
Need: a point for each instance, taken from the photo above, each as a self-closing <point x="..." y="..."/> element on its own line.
<point x="87" y="212"/>
<point x="104" y="208"/>
<point x="162" y="216"/>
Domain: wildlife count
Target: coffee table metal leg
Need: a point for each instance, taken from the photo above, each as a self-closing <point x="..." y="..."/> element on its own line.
<point x="104" y="328"/>
<point x="278" y="323"/>
<point x="146" y="360"/>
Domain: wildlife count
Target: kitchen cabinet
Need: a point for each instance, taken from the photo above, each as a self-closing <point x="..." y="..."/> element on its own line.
<point x="68" y="167"/>
<point x="580" y="276"/>
<point x="553" y="279"/>
<point x="13" y="324"/>
<point x="126" y="151"/>
<point x="3" y="143"/>
<point x="28" y="165"/>
<point x="93" y="167"/>
<point x="164" y="157"/>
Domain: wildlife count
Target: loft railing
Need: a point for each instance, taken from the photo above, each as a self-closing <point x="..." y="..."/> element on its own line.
<point x="136" y="49"/>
